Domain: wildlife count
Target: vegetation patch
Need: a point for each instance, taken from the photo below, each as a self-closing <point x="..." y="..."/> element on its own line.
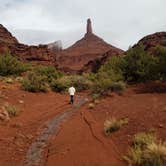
<point x="12" y="110"/>
<point x="146" y="151"/>
<point x="112" y="125"/>
<point x="10" y="65"/>
<point x="35" y="83"/>
<point x="50" y="72"/>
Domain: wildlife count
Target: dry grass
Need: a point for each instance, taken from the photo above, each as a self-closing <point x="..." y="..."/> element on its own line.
<point x="112" y="125"/>
<point x="12" y="110"/>
<point x="143" y="139"/>
<point x="146" y="151"/>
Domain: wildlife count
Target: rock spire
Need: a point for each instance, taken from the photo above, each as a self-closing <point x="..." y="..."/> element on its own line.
<point x="89" y="26"/>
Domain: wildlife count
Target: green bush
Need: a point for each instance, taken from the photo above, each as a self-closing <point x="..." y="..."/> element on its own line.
<point x="49" y="72"/>
<point x="117" y="86"/>
<point x="35" y="83"/>
<point x="139" y="66"/>
<point x="101" y="86"/>
<point x="9" y="65"/>
<point x="109" y="77"/>
<point x="61" y="84"/>
<point x="79" y="82"/>
<point x="113" y="69"/>
<point x="160" y="53"/>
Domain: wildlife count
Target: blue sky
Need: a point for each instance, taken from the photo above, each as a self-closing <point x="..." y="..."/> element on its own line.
<point x="119" y="22"/>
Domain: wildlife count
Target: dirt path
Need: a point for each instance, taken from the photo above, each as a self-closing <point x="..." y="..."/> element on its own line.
<point x="35" y="153"/>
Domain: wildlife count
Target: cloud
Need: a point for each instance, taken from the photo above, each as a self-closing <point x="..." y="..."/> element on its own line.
<point x="121" y="23"/>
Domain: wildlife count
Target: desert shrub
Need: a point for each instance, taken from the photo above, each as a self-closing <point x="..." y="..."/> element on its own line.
<point x="139" y="66"/>
<point x="34" y="83"/>
<point x="95" y="96"/>
<point x="143" y="139"/>
<point x="146" y="151"/>
<point x="61" y="84"/>
<point x="154" y="154"/>
<point x="100" y="86"/>
<point x="109" y="76"/>
<point x="113" y="69"/>
<point x="50" y="72"/>
<point x="9" y="65"/>
<point x="106" y="85"/>
<point x="160" y="53"/>
<point x="112" y="125"/>
<point x="117" y="86"/>
<point x="12" y="110"/>
<point x="134" y="157"/>
<point x="78" y="81"/>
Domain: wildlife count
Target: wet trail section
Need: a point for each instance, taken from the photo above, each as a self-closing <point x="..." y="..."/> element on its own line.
<point x="35" y="153"/>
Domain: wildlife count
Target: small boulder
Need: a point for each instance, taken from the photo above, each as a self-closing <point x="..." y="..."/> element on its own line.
<point x="4" y="116"/>
<point x="21" y="101"/>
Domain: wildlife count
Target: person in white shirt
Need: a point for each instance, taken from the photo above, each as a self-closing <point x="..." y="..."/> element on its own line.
<point x="71" y="93"/>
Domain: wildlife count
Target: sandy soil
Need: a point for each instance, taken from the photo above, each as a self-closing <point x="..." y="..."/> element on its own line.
<point x="80" y="140"/>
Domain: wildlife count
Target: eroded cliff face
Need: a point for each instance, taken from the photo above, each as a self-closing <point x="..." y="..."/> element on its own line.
<point x="151" y="41"/>
<point x="6" y="36"/>
<point x="84" y="51"/>
<point x="42" y="54"/>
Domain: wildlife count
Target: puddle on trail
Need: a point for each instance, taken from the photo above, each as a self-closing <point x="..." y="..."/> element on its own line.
<point x="35" y="154"/>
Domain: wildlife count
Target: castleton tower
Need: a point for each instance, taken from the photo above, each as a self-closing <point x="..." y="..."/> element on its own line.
<point x="89" y="27"/>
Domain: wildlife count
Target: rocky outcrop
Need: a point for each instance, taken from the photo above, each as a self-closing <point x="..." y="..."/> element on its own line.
<point x="151" y="41"/>
<point x="6" y="36"/>
<point x="41" y="54"/>
<point x="84" y="51"/>
<point x="89" y="27"/>
<point x="94" y="65"/>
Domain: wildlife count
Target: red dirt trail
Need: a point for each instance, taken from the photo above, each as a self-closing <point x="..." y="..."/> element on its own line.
<point x="80" y="140"/>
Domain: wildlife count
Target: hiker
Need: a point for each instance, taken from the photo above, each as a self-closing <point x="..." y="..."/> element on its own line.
<point x="71" y="92"/>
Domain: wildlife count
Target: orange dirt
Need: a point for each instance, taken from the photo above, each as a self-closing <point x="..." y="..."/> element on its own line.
<point x="80" y="140"/>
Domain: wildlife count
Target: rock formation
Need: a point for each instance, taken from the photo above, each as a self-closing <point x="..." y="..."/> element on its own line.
<point x="80" y="57"/>
<point x="42" y="54"/>
<point x="87" y="49"/>
<point x="89" y="27"/>
<point x="151" y="41"/>
<point x="6" y="36"/>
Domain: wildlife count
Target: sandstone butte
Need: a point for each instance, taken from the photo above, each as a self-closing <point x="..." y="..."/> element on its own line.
<point x="87" y="49"/>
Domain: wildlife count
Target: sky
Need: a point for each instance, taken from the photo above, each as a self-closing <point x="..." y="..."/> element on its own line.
<point x="119" y="22"/>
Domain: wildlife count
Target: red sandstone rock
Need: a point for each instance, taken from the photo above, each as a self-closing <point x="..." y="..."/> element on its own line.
<point x="89" y="26"/>
<point x="151" y="41"/>
<point x="42" y="54"/>
<point x="6" y="36"/>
